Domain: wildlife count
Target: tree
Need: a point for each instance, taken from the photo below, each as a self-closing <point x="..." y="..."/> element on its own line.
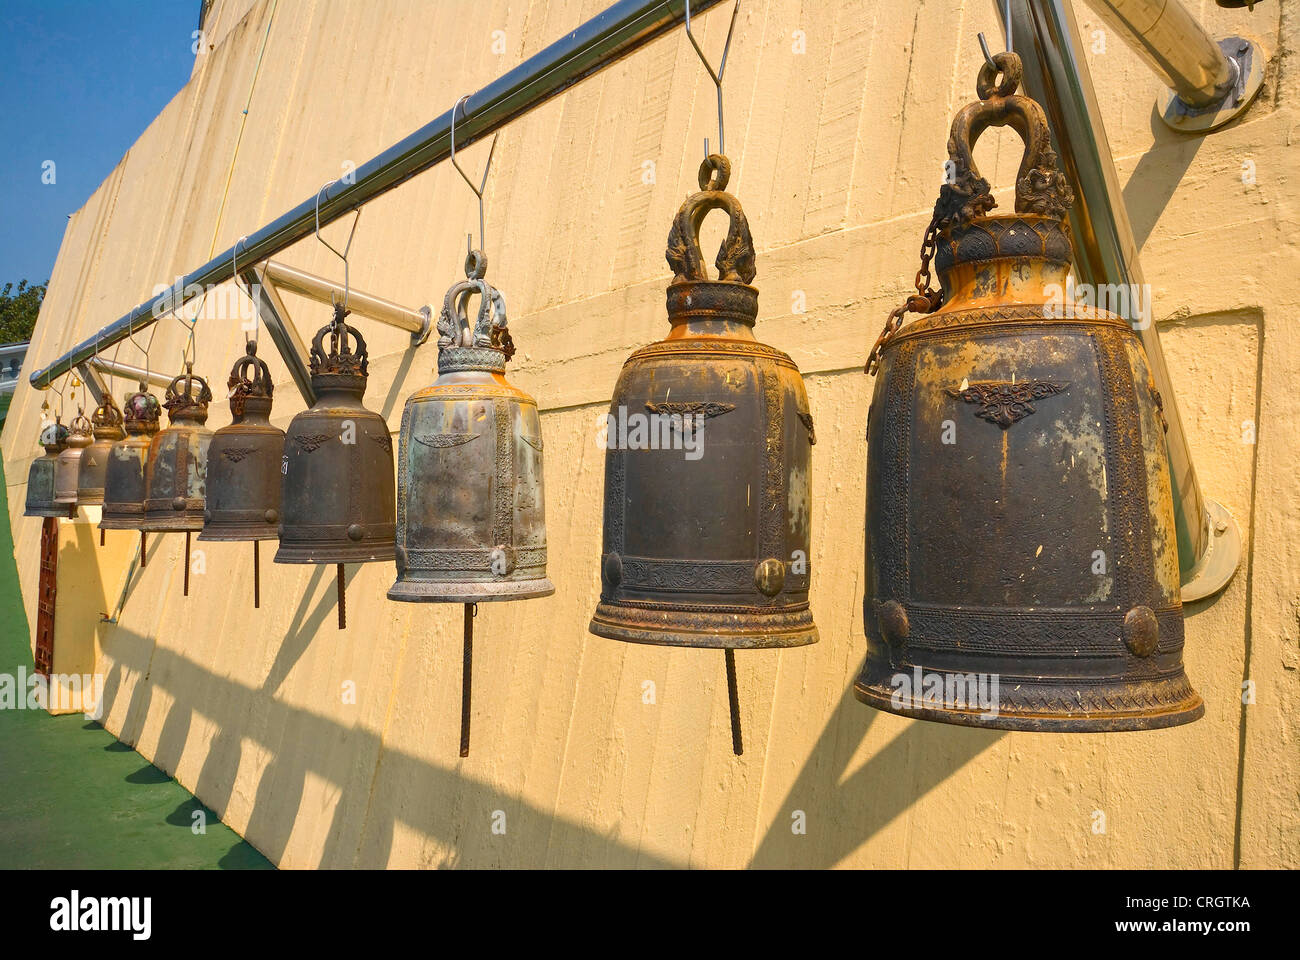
<point x="18" y="310"/>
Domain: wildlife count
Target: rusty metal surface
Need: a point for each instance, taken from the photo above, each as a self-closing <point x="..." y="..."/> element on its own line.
<point x="471" y="520"/>
<point x="1035" y="546"/>
<point x="106" y="424"/>
<point x="176" y="474"/>
<point x="711" y="551"/>
<point x="125" y="481"/>
<point x="40" y="477"/>
<point x="244" y="458"/>
<point x="68" y="467"/>
<point x="338" y="503"/>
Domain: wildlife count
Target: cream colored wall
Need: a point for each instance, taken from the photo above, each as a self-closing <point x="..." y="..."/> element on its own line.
<point x="838" y="154"/>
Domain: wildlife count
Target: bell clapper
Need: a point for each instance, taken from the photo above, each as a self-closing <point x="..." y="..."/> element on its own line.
<point x="467" y="669"/>
<point x="342" y="592"/>
<point x="733" y="696"/>
<point x="143" y="558"/>
<point x="257" y="577"/>
<point x="187" y="563"/>
<point x="101" y="538"/>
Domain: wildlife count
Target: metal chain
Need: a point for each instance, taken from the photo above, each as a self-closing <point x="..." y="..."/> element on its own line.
<point x="925" y="300"/>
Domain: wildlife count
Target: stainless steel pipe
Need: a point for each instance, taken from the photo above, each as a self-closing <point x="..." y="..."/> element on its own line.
<point x="285" y="277"/>
<point x="1046" y="37"/>
<point x="128" y="371"/>
<point x="607" y="37"/>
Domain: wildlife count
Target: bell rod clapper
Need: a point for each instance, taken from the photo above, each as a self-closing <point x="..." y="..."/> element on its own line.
<point x="186" y="591"/>
<point x="733" y="701"/>
<point x="257" y="576"/>
<point x="466" y="675"/>
<point x="143" y="555"/>
<point x="343" y="599"/>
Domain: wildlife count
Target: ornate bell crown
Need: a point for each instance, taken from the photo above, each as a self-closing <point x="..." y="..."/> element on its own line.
<point x="692" y="295"/>
<point x="189" y="402"/>
<point x="54" y="436"/>
<point x="107" y="419"/>
<point x="141" y="411"/>
<point x="341" y="361"/>
<point x="487" y="346"/>
<point x="962" y="229"/>
<point x="245" y="391"/>
<point x="80" y="431"/>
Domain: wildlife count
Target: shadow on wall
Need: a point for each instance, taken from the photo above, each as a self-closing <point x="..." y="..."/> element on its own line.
<point x="438" y="801"/>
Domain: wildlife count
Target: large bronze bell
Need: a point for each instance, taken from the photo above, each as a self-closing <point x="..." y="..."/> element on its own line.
<point x="106" y="423"/>
<point x="126" y="481"/>
<point x="244" y="460"/>
<point x="40" y="477"/>
<point x="339" y="502"/>
<point x="471" y="522"/>
<point x="1022" y="572"/>
<point x="68" y="466"/>
<point x="178" y="459"/>
<point x="707" y="470"/>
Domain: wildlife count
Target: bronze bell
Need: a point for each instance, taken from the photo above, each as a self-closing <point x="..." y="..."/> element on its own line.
<point x="1022" y="572"/>
<point x="338" y="493"/>
<point x="707" y="470"/>
<point x="40" y="478"/>
<point x="244" y="460"/>
<point x="106" y="423"/>
<point x="125" y="482"/>
<point x="471" y="522"/>
<point x="68" y="466"/>
<point x="178" y="459"/>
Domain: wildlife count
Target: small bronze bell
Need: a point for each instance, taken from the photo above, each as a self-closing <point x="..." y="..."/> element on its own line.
<point x="244" y="464"/>
<point x="68" y="467"/>
<point x="126" y="481"/>
<point x="707" y="474"/>
<point x="1022" y="572"/>
<point x="40" y="478"/>
<point x="178" y="459"/>
<point x="471" y="521"/>
<point x="106" y="423"/>
<point x="338" y="495"/>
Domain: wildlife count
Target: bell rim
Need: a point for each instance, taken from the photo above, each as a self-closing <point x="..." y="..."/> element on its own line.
<point x="678" y="632"/>
<point x="471" y="591"/>
<point x="1192" y="709"/>
<point x="219" y="537"/>
<point x="309" y="554"/>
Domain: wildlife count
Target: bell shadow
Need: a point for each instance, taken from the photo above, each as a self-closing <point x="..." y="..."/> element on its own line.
<point x="398" y="389"/>
<point x="301" y="630"/>
<point x="148" y="775"/>
<point x="893" y="779"/>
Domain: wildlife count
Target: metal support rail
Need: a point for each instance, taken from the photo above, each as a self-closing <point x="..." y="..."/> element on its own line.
<point x="607" y="37"/>
<point x="1046" y="36"/>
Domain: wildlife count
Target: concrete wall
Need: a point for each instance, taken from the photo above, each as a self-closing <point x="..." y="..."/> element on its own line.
<point x="838" y="154"/>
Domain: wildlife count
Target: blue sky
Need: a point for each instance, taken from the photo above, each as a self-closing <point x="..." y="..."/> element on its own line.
<point x="79" y="82"/>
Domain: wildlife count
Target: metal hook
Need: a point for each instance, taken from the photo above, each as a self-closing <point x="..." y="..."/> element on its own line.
<point x="716" y="77"/>
<point x="478" y="191"/>
<point x="346" y="249"/>
<point x="1006" y="26"/>
<point x="144" y="350"/>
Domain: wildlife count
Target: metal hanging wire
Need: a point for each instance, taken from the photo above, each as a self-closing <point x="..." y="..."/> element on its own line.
<point x="714" y="75"/>
<point x="346" y="249"/>
<point x="261" y="280"/>
<point x="478" y="191"/>
<point x="1006" y="26"/>
<point x="145" y="349"/>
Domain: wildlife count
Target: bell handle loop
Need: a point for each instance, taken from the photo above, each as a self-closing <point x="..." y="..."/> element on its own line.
<point x="735" y="260"/>
<point x="453" y="323"/>
<point x="189" y="378"/>
<point x="1041" y="188"/>
<point x="259" y="383"/>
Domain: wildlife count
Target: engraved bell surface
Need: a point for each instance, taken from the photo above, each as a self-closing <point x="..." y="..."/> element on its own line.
<point x="106" y="423"/>
<point x="708" y="463"/>
<point x="471" y="522"/>
<point x="1021" y="560"/>
<point x="244" y="459"/>
<point x="178" y="459"/>
<point x="338" y="501"/>
<point x="126" y="480"/>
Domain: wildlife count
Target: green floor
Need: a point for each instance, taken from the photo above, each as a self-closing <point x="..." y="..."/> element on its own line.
<point x="72" y="796"/>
